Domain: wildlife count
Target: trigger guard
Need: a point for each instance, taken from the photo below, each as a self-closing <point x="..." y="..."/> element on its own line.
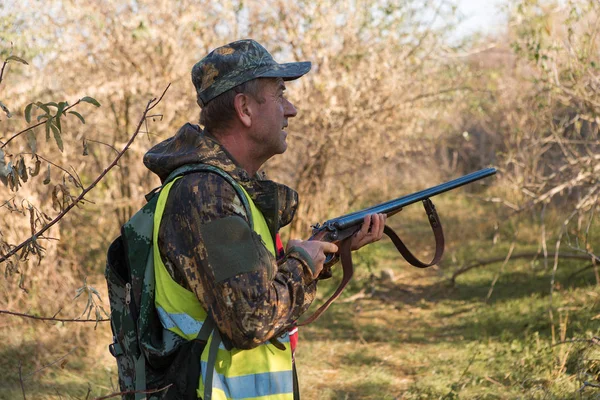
<point x="329" y="257"/>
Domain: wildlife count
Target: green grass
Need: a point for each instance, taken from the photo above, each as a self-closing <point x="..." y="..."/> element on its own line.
<point x="418" y="338"/>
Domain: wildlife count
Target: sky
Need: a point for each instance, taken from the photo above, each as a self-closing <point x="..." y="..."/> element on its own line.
<point x="481" y="16"/>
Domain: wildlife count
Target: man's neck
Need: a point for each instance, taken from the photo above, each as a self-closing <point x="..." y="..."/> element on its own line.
<point x="241" y="151"/>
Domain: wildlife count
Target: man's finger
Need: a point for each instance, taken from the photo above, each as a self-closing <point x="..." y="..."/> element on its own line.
<point x="329" y="247"/>
<point x="375" y="226"/>
<point x="382" y="219"/>
<point x="364" y="229"/>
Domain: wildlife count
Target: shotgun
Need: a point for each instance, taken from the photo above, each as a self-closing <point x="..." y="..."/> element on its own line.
<point x="340" y="230"/>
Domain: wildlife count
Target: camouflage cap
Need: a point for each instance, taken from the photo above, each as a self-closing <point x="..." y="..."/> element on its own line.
<point x="235" y="63"/>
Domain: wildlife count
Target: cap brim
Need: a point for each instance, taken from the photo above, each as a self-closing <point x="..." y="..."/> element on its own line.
<point x="288" y="71"/>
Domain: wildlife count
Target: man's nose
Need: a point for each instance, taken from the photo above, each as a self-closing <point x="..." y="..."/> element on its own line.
<point x="289" y="110"/>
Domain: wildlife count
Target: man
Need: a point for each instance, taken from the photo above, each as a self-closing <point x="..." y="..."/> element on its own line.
<point x="219" y="252"/>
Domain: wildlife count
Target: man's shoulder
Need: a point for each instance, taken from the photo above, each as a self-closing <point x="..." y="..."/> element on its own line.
<point x="207" y="191"/>
<point x="205" y="182"/>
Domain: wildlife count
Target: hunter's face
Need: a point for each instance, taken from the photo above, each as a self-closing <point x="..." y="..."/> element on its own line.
<point x="273" y="115"/>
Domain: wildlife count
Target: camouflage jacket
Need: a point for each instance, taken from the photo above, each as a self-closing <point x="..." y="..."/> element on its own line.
<point x="207" y="245"/>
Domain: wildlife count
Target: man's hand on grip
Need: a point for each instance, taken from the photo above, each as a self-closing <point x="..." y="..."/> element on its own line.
<point x="316" y="249"/>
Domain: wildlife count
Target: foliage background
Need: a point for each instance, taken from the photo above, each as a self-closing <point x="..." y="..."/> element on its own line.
<point x="394" y="103"/>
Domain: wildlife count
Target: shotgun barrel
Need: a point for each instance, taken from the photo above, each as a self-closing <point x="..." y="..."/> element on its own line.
<point x="391" y="207"/>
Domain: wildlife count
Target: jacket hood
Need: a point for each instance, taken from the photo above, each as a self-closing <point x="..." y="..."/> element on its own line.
<point x="190" y="145"/>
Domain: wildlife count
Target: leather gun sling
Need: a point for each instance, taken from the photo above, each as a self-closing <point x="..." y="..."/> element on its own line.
<point x="348" y="268"/>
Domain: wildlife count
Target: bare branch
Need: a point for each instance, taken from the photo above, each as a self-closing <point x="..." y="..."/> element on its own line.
<point x="52" y="318"/>
<point x="494" y="260"/>
<point x="1" y="77"/>
<point x="133" y="392"/>
<point x="510" y="251"/>
<point x="106" y="144"/>
<point x="586" y="384"/>
<point x="52" y="363"/>
<point x="595" y="341"/>
<point x="21" y="378"/>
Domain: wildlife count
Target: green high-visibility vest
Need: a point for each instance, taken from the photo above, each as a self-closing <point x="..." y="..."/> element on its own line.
<point x="261" y="373"/>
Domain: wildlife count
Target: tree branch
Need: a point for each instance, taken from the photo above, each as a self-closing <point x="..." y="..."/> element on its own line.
<point x="106" y="144"/>
<point x="586" y="384"/>
<point x="52" y="318"/>
<point x="133" y="392"/>
<point x="506" y="260"/>
<point x="21" y="367"/>
<point x="151" y="104"/>
<point x="594" y="340"/>
<point x="493" y="260"/>
<point x="52" y="363"/>
<point x="1" y="75"/>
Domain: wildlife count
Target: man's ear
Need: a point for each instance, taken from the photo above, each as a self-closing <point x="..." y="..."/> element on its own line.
<point x="243" y="109"/>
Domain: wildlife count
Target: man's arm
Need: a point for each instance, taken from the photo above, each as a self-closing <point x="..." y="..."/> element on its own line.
<point x="205" y="236"/>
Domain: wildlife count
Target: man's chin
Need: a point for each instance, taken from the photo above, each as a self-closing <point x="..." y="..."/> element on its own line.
<point x="283" y="145"/>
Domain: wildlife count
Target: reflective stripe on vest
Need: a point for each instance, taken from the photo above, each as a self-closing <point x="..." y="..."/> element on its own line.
<point x="262" y="373"/>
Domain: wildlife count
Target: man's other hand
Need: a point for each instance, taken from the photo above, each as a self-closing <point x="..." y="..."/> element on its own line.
<point x="316" y="250"/>
<point x="370" y="231"/>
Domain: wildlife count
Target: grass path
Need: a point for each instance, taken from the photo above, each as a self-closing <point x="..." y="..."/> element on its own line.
<point x="415" y="338"/>
<point x="397" y="332"/>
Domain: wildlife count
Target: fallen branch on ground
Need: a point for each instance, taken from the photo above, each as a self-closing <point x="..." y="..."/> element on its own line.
<point x="133" y="392"/>
<point x="493" y="260"/>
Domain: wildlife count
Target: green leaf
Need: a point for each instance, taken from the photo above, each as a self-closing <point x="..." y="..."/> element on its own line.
<point x="79" y="292"/>
<point x="43" y="107"/>
<point x="57" y="123"/>
<point x="28" y="112"/>
<point x="5" y="109"/>
<point x="22" y="169"/>
<point x="18" y="59"/>
<point x="57" y="137"/>
<point x="47" y="177"/>
<point x="32" y="141"/>
<point x="91" y="100"/>
<point x="13" y="180"/>
<point x="61" y="107"/>
<point x="75" y="113"/>
<point x="94" y="291"/>
<point x="4" y="169"/>
<point x="48" y="123"/>
<point x="56" y="203"/>
<point x="36" y="170"/>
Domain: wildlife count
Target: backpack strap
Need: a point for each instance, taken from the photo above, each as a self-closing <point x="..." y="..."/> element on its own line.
<point x="190" y="168"/>
<point x="140" y="377"/>
<point x="209" y="327"/>
<point x="210" y="365"/>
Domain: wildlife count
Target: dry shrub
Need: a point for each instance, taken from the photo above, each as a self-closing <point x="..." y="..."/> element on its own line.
<point x="368" y="128"/>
